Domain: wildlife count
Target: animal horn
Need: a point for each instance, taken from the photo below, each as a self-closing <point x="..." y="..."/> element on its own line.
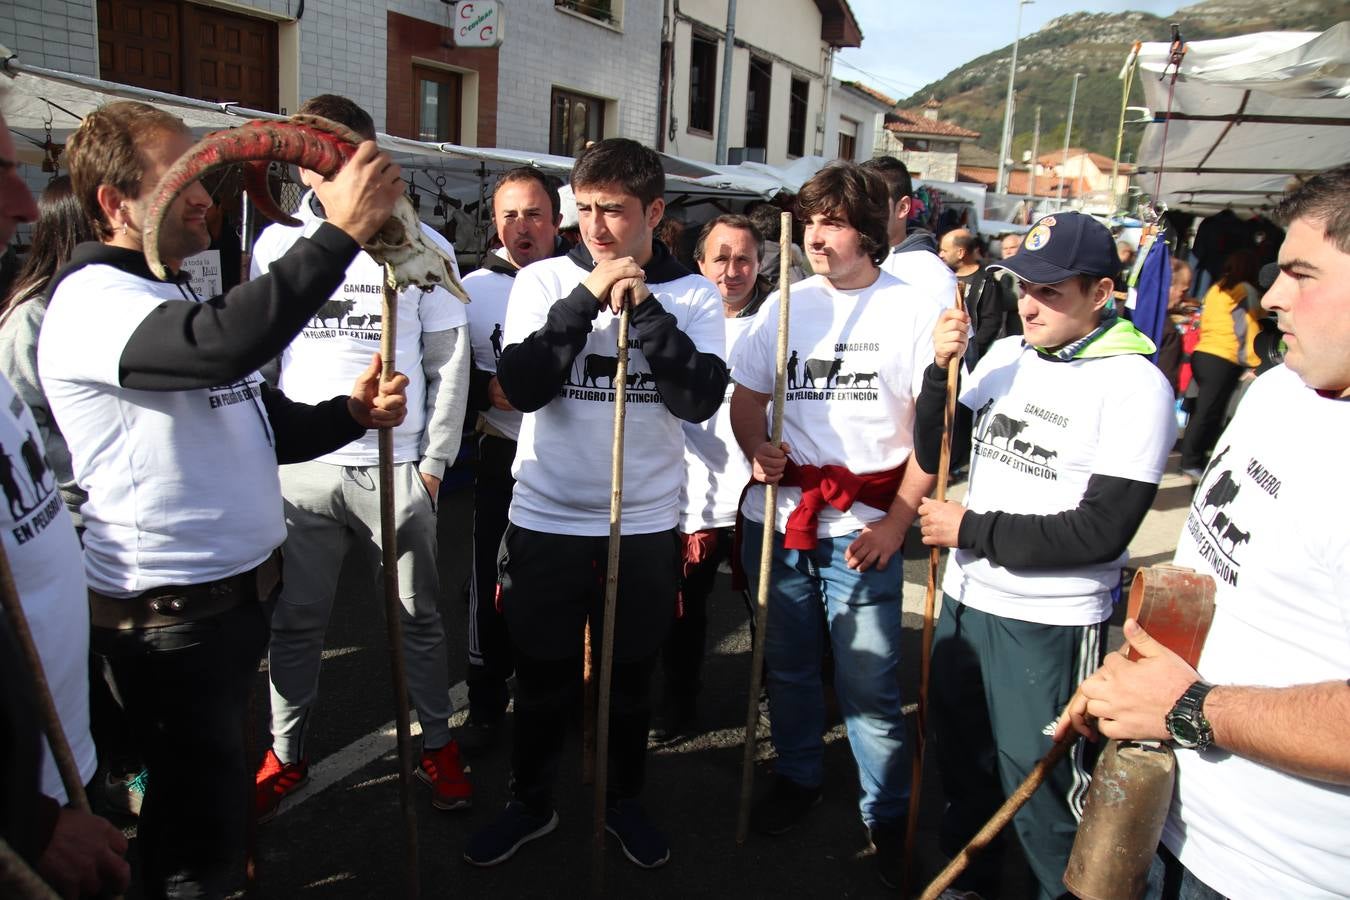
<point x="311" y="142"/>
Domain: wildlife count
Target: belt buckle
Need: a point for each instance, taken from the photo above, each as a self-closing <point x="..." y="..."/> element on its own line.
<point x="169" y="604"/>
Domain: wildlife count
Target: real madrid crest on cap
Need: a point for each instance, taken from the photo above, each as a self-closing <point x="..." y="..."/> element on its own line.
<point x="1039" y="236"/>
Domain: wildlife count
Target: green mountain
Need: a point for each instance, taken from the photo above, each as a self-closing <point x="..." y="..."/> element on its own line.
<point x="1095" y="44"/>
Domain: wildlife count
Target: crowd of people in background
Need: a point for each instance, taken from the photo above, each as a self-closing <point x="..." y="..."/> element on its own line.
<point x="184" y="447"/>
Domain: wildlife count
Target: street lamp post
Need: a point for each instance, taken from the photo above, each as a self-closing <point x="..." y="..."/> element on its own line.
<point x="1068" y="130"/>
<point x="1005" y="145"/>
<point x="724" y="102"/>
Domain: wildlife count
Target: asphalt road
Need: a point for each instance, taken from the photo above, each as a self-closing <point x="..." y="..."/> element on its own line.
<point x="344" y="836"/>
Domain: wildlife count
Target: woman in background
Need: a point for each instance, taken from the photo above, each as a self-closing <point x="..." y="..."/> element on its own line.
<point x="1228" y="326"/>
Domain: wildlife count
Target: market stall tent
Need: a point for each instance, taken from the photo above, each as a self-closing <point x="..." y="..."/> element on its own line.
<point x="1248" y="114"/>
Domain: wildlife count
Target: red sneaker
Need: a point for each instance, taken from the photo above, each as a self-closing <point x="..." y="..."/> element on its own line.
<point x="274" y="782"/>
<point x="444" y="774"/>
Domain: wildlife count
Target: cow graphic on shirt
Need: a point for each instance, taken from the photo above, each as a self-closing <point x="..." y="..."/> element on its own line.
<point x="1025" y="441"/>
<point x="837" y="376"/>
<point x="1215" y="509"/>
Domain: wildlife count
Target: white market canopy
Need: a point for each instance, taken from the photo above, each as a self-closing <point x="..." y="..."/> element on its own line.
<point x="1249" y="114"/>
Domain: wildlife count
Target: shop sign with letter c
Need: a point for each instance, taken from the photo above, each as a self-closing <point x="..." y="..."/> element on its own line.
<point x="477" y="23"/>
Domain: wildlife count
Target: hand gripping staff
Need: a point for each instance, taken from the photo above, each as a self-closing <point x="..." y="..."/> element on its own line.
<point x="1121" y="826"/>
<point x="766" y="545"/>
<point x="393" y="610"/>
<point x="600" y="772"/>
<point x="929" y="606"/>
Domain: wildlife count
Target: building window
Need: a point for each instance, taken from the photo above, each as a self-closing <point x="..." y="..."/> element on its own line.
<point x="757" y="102"/>
<point x="606" y="11"/>
<point x="848" y="138"/>
<point x="918" y="145"/>
<point x="702" y="83"/>
<point x="436" y="105"/>
<point x="801" y="92"/>
<point x="576" y="120"/>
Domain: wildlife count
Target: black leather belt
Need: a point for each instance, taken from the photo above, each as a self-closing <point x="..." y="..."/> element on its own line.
<point x="175" y="604"/>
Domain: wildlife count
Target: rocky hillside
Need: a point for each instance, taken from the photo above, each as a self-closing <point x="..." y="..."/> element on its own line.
<point x="1096" y="44"/>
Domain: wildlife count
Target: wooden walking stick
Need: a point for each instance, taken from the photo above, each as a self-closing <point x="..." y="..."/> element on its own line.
<point x="392" y="607"/>
<point x="17" y="878"/>
<point x="601" y="770"/>
<point x="929" y="609"/>
<point x="51" y="719"/>
<point x="766" y="544"/>
<point x="587" y="706"/>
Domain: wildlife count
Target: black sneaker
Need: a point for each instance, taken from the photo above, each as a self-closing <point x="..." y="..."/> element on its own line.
<point x="479" y="737"/>
<point x="782" y="806"/>
<point x="673" y="720"/>
<point x="641" y="842"/>
<point x="888" y="840"/>
<point x="512" y="830"/>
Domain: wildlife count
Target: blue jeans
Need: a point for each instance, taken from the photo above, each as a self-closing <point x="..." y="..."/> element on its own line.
<point x="813" y="594"/>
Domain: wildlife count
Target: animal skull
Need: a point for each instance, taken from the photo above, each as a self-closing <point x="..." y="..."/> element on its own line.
<point x="322" y="146"/>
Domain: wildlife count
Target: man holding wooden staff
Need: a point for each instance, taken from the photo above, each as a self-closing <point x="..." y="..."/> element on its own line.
<point x="558" y="367"/>
<point x="1262" y="802"/>
<point x="1072" y="425"/>
<point x="177" y="439"/>
<point x="848" y="491"/>
<point x="332" y="503"/>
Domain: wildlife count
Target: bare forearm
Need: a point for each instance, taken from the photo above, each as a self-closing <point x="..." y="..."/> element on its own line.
<point x="915" y="484"/>
<point x="747" y="419"/>
<point x="1303" y="730"/>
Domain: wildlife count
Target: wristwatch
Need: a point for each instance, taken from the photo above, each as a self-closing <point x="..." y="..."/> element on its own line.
<point x="1187" y="723"/>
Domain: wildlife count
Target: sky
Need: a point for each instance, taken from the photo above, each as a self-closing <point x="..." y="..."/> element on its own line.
<point x="910" y="43"/>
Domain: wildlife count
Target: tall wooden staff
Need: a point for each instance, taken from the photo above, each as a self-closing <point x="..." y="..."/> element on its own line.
<point x="929" y="606"/>
<point x="766" y="545"/>
<point x="392" y="607"/>
<point x="600" y="773"/>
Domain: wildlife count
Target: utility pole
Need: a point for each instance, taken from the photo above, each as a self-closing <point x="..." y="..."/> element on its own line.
<point x="1068" y="130"/>
<point x="1035" y="149"/>
<point x="1005" y="145"/>
<point x="724" y="100"/>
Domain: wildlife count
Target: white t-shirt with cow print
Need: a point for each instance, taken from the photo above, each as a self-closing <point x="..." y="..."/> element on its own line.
<point x="715" y="469"/>
<point x="1042" y="428"/>
<point x="44" y="556"/>
<point x="336" y="345"/>
<point x="1267" y="523"/>
<point x="562" y="466"/>
<point x="855" y="366"/>
<point x="183" y="485"/>
<point x="487" y="323"/>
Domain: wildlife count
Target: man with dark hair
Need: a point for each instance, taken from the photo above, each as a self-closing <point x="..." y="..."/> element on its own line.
<point x="177" y="439"/>
<point x="1071" y="432"/>
<point x="913" y="258"/>
<point x="716" y="473"/>
<point x="847" y="430"/>
<point x="332" y="502"/>
<point x="79" y="854"/>
<point x="559" y="369"/>
<point x="768" y="220"/>
<point x="526" y="211"/>
<point x="980" y="289"/>
<point x="1262" y="724"/>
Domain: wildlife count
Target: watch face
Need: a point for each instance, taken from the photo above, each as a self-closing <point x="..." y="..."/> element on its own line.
<point x="1184" y="731"/>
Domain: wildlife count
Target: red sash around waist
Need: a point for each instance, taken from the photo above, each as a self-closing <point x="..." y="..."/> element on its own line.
<point x="837" y="487"/>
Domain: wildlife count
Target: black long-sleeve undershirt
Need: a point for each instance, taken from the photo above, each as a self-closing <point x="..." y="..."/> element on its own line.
<point x="184" y="346"/>
<point x="692" y="384"/>
<point x="304" y="431"/>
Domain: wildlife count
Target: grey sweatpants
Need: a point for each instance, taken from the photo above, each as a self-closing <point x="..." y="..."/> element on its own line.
<point x="330" y="509"/>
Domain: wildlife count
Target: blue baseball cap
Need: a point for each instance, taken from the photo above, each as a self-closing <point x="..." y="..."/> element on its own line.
<point x="1062" y="245"/>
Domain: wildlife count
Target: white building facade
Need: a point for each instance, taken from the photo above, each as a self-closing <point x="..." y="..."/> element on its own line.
<point x="566" y="72"/>
<point x="780" y="77"/>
